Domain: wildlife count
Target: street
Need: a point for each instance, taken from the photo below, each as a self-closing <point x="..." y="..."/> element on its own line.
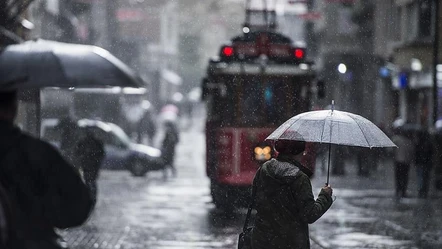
<point x="153" y="212"/>
<point x="353" y="73"/>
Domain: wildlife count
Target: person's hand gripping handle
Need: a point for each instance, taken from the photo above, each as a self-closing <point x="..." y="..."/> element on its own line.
<point x="328" y="189"/>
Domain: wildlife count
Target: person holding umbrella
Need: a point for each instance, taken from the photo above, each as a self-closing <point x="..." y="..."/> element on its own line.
<point x="282" y="189"/>
<point x="284" y="200"/>
<point x="45" y="191"/>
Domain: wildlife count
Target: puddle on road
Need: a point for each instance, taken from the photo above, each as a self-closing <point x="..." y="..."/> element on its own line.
<point x="351" y="229"/>
<point x="190" y="244"/>
<point x="363" y="240"/>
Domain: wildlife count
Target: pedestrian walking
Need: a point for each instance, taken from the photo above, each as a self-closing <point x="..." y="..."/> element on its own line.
<point x="89" y="154"/>
<point x="146" y="128"/>
<point x="171" y="139"/>
<point x="69" y="137"/>
<point x="404" y="155"/>
<point x="284" y="200"/>
<point x="339" y="156"/>
<point x="367" y="160"/>
<point x="423" y="161"/>
<point x="46" y="192"/>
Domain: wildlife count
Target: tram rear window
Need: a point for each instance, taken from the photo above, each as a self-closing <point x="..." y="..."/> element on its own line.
<point x="257" y="102"/>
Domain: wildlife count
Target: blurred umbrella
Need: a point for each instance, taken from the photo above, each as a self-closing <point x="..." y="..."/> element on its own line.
<point x="169" y="112"/>
<point x="41" y="63"/>
<point x="332" y="127"/>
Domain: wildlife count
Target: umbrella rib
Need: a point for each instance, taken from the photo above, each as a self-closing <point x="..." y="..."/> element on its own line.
<point x="288" y="127"/>
<point x="361" y="130"/>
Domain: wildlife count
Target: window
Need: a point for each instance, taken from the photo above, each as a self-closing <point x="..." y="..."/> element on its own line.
<point x="345" y="24"/>
<point x="411" y="16"/>
<point x="417" y="21"/>
<point x="425" y="19"/>
<point x="258" y="101"/>
<point x="394" y="27"/>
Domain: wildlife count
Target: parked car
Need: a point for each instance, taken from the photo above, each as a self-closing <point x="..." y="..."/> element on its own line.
<point x="49" y="130"/>
<point x="120" y="152"/>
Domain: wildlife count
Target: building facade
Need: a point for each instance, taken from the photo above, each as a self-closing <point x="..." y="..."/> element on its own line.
<point x="343" y="38"/>
<point x="412" y="39"/>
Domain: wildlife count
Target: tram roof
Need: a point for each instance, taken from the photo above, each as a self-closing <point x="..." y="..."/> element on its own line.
<point x="274" y="37"/>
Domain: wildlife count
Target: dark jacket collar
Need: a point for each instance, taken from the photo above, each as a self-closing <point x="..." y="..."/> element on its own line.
<point x="9" y="133"/>
<point x="286" y="158"/>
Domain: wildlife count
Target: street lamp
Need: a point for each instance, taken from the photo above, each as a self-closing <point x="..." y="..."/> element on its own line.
<point x="416" y="65"/>
<point x="342" y="68"/>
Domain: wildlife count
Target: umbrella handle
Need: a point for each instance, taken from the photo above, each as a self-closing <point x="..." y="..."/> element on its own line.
<point x="328" y="167"/>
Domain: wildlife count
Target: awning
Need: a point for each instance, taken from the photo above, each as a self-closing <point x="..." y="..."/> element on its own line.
<point x="171" y="77"/>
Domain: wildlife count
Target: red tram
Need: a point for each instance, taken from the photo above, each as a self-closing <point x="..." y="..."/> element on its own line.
<point x="260" y="80"/>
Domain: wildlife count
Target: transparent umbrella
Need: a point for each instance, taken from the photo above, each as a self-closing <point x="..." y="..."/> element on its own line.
<point x="332" y="127"/>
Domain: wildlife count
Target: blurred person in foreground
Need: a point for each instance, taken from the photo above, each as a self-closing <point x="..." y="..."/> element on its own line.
<point x="45" y="191"/>
<point x="89" y="154"/>
<point x="6" y="222"/>
<point x="284" y="200"/>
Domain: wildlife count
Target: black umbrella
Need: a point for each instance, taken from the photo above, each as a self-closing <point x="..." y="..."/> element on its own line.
<point x="41" y="63"/>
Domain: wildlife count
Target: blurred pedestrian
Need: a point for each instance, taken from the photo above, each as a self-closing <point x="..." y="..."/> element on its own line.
<point x="89" y="154"/>
<point x="46" y="192"/>
<point x="284" y="200"/>
<point x="338" y="157"/>
<point x="367" y="160"/>
<point x="423" y="161"/>
<point x="68" y="138"/>
<point x="403" y="158"/>
<point x="171" y="139"/>
<point x="147" y="128"/>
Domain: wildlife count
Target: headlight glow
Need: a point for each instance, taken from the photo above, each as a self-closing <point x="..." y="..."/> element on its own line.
<point x="263" y="153"/>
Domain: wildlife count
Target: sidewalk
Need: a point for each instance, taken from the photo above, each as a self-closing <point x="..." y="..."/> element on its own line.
<point x="366" y="214"/>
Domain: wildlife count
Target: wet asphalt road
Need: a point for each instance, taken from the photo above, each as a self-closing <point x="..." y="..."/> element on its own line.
<point x="154" y="212"/>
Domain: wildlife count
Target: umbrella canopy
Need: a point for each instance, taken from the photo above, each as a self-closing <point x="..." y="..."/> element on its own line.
<point x="334" y="127"/>
<point x="41" y="63"/>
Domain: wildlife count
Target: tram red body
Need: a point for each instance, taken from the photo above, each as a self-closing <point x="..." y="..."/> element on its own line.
<point x="259" y="81"/>
<point x="236" y="163"/>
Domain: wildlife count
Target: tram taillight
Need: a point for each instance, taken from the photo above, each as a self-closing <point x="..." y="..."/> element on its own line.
<point x="299" y="53"/>
<point x="227" y="51"/>
<point x="283" y="53"/>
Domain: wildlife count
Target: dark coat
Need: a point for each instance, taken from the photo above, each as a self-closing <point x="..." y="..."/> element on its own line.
<point x="423" y="150"/>
<point x="45" y="191"/>
<point x="89" y="154"/>
<point x="285" y="206"/>
<point x="6" y="215"/>
<point x="171" y="138"/>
